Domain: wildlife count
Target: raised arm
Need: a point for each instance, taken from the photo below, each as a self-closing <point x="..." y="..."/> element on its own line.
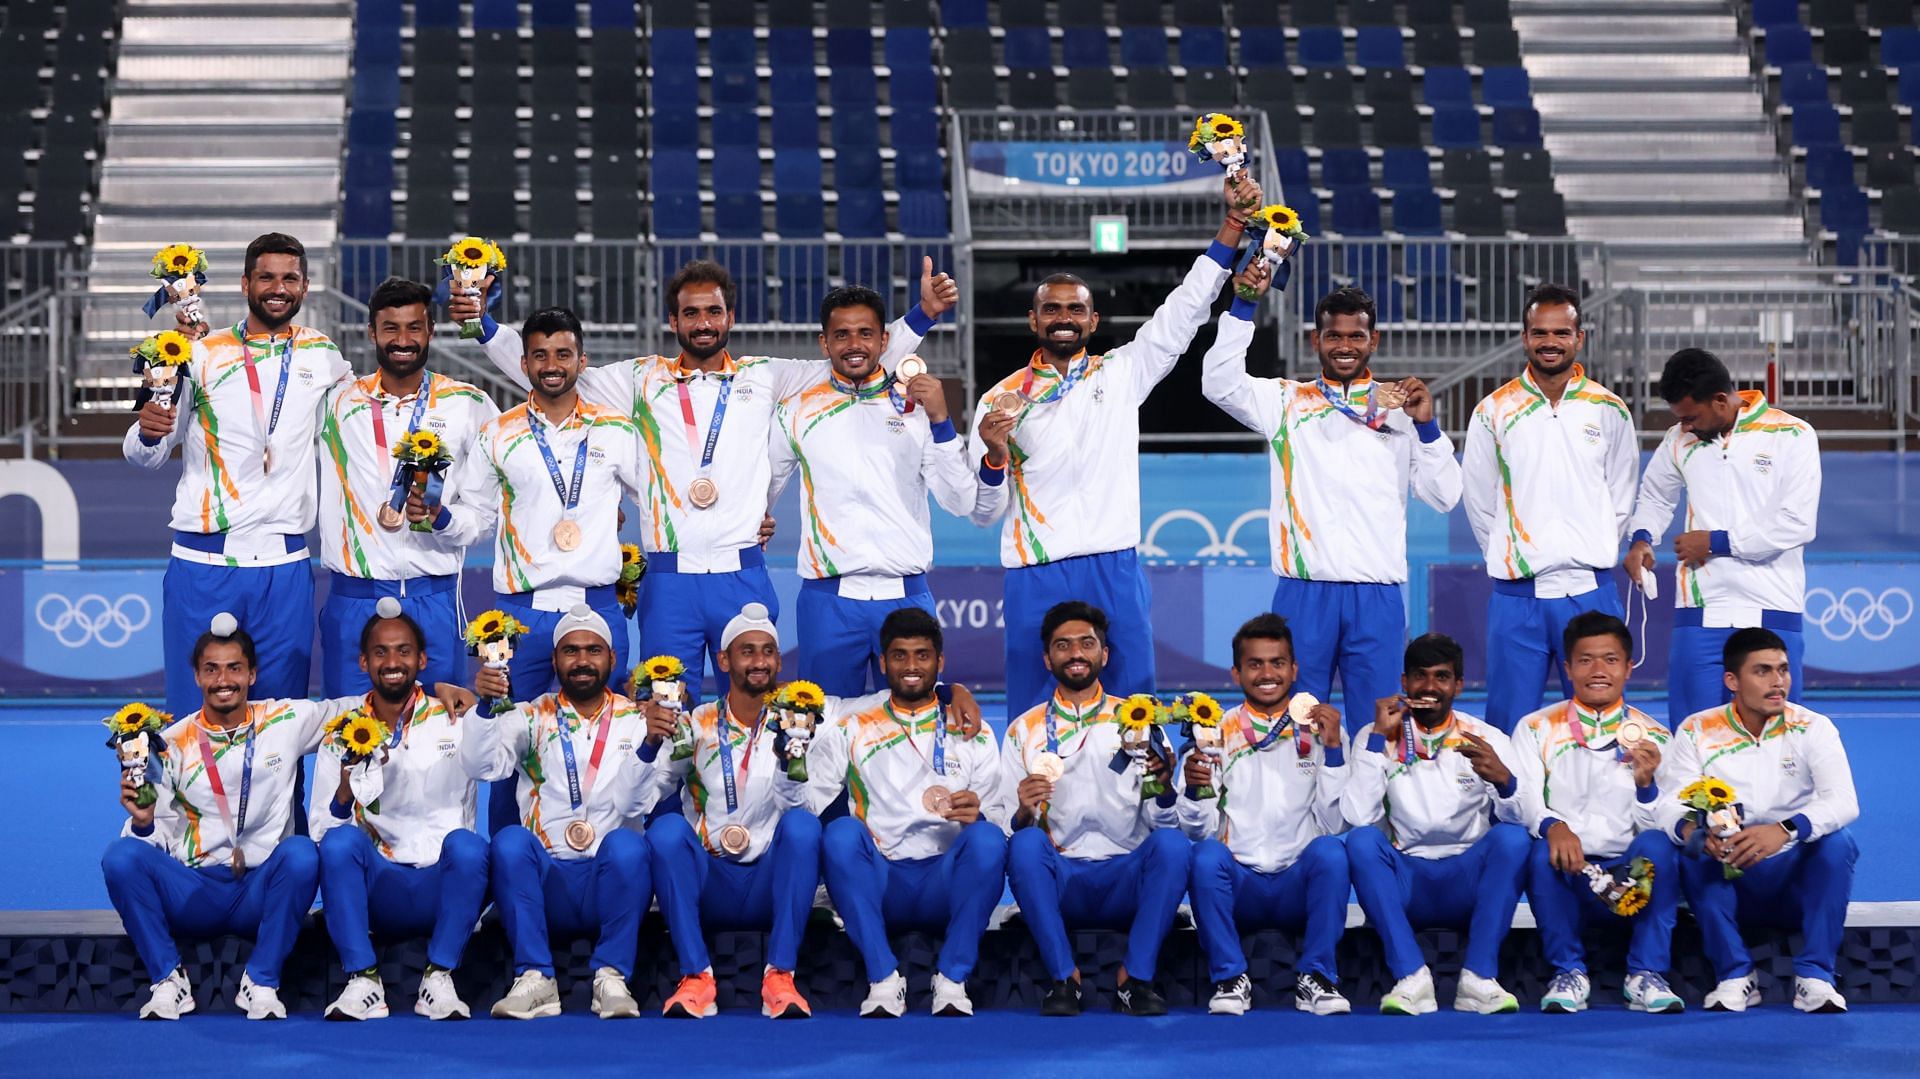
<point x="471" y="508"/>
<point x="150" y="441"/>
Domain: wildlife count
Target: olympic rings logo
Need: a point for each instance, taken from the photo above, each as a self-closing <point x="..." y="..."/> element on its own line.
<point x="1858" y="611"/>
<point x="93" y="619"/>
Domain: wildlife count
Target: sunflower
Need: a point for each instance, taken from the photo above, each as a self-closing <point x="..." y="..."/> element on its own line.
<point x="1281" y="219"/>
<point x="1631" y="903"/>
<point x="491" y="626"/>
<point x="804" y="695"/>
<point x="1138" y="711"/>
<point x="362" y="733"/>
<point x="632" y="564"/>
<point x="178" y="260"/>
<point x="420" y="447"/>
<point x="173" y="346"/>
<point x="471" y="252"/>
<point x="1226" y="127"/>
<point x="1718" y="790"/>
<point x="1203" y="710"/>
<point x="664" y="668"/>
<point x="496" y="257"/>
<point x="136" y="717"/>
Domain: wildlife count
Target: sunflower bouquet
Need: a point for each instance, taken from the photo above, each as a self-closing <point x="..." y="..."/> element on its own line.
<point x="423" y="462"/>
<point x="491" y="637"/>
<point x="663" y="679"/>
<point x="469" y="263"/>
<point x="1626" y="891"/>
<point x="797" y="708"/>
<point x="355" y="736"/>
<point x="1200" y="715"/>
<point x="1716" y="812"/>
<point x="162" y="358"/>
<point x="1139" y="717"/>
<point x="134" y="733"/>
<point x="1219" y="137"/>
<point x="181" y="270"/>
<point x="1281" y="234"/>
<point x="633" y="566"/>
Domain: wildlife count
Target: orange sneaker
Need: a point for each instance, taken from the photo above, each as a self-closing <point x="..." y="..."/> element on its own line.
<point x="779" y="999"/>
<point x="693" y="999"/>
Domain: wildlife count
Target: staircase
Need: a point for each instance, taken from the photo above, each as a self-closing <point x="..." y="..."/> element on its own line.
<point x="226" y="123"/>
<point x="1659" y="132"/>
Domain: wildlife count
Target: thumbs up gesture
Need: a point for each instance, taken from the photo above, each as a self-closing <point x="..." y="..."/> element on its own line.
<point x="938" y="292"/>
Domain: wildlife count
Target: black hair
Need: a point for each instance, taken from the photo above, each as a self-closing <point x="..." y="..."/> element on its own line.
<point x="1594" y="624"/>
<point x="1262" y="627"/>
<point x="852" y="296"/>
<point x="552" y="320"/>
<point x="1061" y="279"/>
<point x="904" y="623"/>
<point x="1345" y="301"/>
<point x="275" y="243"/>
<point x="1694" y="374"/>
<point x="366" y="631"/>
<point x="1434" y="650"/>
<point x="1548" y="294"/>
<point x="700" y="272"/>
<point x="1072" y="610"/>
<point x="240" y="637"/>
<point x="1746" y="642"/>
<point x="397" y="292"/>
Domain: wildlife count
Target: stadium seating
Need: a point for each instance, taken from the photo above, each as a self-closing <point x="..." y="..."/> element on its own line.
<point x="61" y="54"/>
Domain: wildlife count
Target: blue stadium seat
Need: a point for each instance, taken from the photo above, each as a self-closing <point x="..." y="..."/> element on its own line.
<point x="735" y="85"/>
<point x="800" y="215"/>
<point x="1322" y="46"/>
<point x="737" y="215"/>
<point x="368" y="213"/>
<point x="1438" y="293"/>
<point x="907" y="46"/>
<point x="496" y="15"/>
<point x="1026" y="48"/>
<point x="1506" y="86"/>
<point x="796" y="172"/>
<point x="790" y="46"/>
<point x="1843" y="209"/>
<point x="1829" y="166"/>
<point x="1416" y="211"/>
<point x="1803" y="84"/>
<point x="1516" y="127"/>
<point x="794" y="86"/>
<point x="1379" y="46"/>
<point x="1899" y="46"/>
<point x="1263" y="46"/>
<point x="963" y="13"/>
<point x="370" y="168"/>
<point x="1772" y="13"/>
<point x="1456" y="127"/>
<point x="1343" y="166"/>
<point x="377" y="87"/>
<point x="861" y="212"/>
<point x="795" y="127"/>
<point x="803" y="275"/>
<point x="736" y="170"/>
<point x="547" y="14"/>
<point x="852" y="87"/>
<point x="918" y="170"/>
<point x="436" y="14"/>
<point x="675" y="172"/>
<point x="1405" y="166"/>
<point x="1789" y="45"/>
<point x="849" y="48"/>
<point x="1447" y="86"/>
<point x="1143" y="46"/>
<point x="734" y="126"/>
<point x="1085" y="46"/>
<point x="925" y="213"/>
<point x="1816" y="125"/>
<point x="731" y="46"/>
<point x="1909" y="91"/>
<point x="855" y="129"/>
<point x="856" y="166"/>
<point x="673" y="48"/>
<point x="372" y="129"/>
<point x="1203" y="46"/>
<point x="1291" y="162"/>
<point x="914" y="129"/>
<point x="913" y="88"/>
<point x="385" y="15"/>
<point x="605" y="14"/>
<point x="375" y="46"/>
<point x="1356" y="211"/>
<point x="675" y="127"/>
<point x="676" y="214"/>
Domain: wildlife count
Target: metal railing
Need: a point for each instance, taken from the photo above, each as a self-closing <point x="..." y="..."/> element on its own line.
<point x="25" y="376"/>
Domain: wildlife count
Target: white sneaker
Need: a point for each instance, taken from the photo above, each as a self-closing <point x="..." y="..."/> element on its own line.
<point x="1567" y="993"/>
<point x="1411" y="995"/>
<point x="1817" y="995"/>
<point x="611" y="997"/>
<point x="1232" y="997"/>
<point x="363" y="998"/>
<point x="1314" y="993"/>
<point x="886" y="998"/>
<point x="533" y="996"/>
<point x="1484" y="996"/>
<point x="1734" y="995"/>
<point x="438" y="999"/>
<point x="950" y="997"/>
<point x="1647" y="991"/>
<point x="171" y="997"/>
<point x="258" y="1001"/>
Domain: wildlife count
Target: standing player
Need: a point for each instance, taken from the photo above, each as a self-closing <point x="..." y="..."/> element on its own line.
<point x="869" y="445"/>
<point x="1345" y="451"/>
<point x="704" y="421"/>
<point x="366" y="543"/>
<point x="1751" y="476"/>
<point x="1073" y="515"/>
<point x="245" y="500"/>
<point x="1548" y="484"/>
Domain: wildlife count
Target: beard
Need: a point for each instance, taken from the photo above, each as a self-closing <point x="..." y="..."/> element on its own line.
<point x="403" y="368"/>
<point x="392" y="695"/>
<point x="703" y="352"/>
<point x="1076" y="683"/>
<point x="257" y="314"/>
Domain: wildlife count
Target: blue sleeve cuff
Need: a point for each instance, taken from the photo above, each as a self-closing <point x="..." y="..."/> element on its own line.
<point x="1641" y="535"/>
<point x="442" y="519"/>
<point x="145" y="441"/>
<point x="919" y="321"/>
<point x="143" y="832"/>
<point x="1507" y="789"/>
<point x="1376" y="742"/>
<point x="1547" y="823"/>
<point x="1802" y="827"/>
<point x="1221" y="253"/>
<point x="1719" y="543"/>
<point x="1429" y="430"/>
<point x="1336" y="757"/>
<point x="488" y="327"/>
<point x="943" y="431"/>
<point x="1648" y="793"/>
<point x="340" y="810"/>
<point x="992" y="477"/>
<point x="1244" y="309"/>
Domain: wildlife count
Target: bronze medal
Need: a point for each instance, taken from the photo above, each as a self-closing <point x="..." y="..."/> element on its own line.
<point x="1009" y="402"/>
<point x="1049" y="766"/>
<point x="734" y="839"/>
<point x="937" y="800"/>
<point x="579" y="835"/>
<point x="266" y="460"/>
<point x="566" y="535"/>
<point x="1389" y="395"/>
<point x="239" y="859"/>
<point x="703" y="493"/>
<point x="1632" y="732"/>
<point x="910" y="368"/>
<point x="390" y="518"/>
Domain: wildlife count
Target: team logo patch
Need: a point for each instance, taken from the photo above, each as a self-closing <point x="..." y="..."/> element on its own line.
<point x="272" y="762"/>
<point x="896" y="425"/>
<point x="1099" y="393"/>
<point x="1305" y="765"/>
<point x="1592" y="433"/>
<point x="1763" y="463"/>
<point x="1467" y="780"/>
<point x="446" y="747"/>
<point x="1789" y="766"/>
<point x="626" y="745"/>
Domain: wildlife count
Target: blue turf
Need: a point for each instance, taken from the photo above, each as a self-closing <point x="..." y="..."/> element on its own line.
<point x="1608" y="1041"/>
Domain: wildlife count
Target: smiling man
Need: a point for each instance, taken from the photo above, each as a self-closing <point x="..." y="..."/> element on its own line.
<point x="368" y="548"/>
<point x="1547" y="481"/>
<point x="1751" y="477"/>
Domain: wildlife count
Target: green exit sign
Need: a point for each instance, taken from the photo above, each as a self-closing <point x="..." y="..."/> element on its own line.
<point x="1109" y="235"/>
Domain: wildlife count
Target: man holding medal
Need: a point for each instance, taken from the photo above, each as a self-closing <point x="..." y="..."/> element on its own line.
<point x="704" y="421"/>
<point x="1751" y="477"/>
<point x="369" y="549"/>
<point x="574" y="863"/>
<point x="245" y="499"/>
<point x="1073" y="508"/>
<point x="1346" y="449"/>
<point x="869" y="445"/>
<point x="398" y="850"/>
<point x="1092" y="846"/>
<point x="1439" y="832"/>
<point x="1588" y="771"/>
<point x="1786" y="857"/>
<point x="1547" y="480"/>
<point x="216" y="853"/>
<point x="926" y="844"/>
<point x="1265" y="849"/>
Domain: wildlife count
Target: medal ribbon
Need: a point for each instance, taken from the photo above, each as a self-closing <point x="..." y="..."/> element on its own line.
<point x="570" y="500"/>
<point x="1577" y="723"/>
<point x="1414" y="744"/>
<point x="726" y="754"/>
<point x="1053" y="733"/>
<point x="1076" y="370"/>
<point x="402" y="472"/>
<point x="575" y="793"/>
<point x="1374" y="418"/>
<point x="1303" y="744"/>
<point x="234" y="822"/>
<point x="713" y="424"/>
<point x="907" y="723"/>
<point x="407" y="715"/>
<point x="263" y="424"/>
